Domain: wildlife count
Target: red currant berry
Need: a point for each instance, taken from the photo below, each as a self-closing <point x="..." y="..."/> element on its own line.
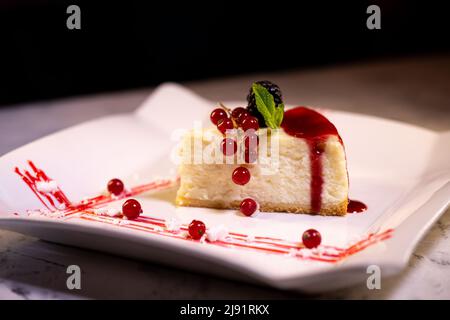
<point x="251" y="140"/>
<point x="250" y="155"/>
<point x="131" y="209"/>
<point x="241" y="176"/>
<point x="248" y="207"/>
<point x="225" y="124"/>
<point x="115" y="186"/>
<point x="311" y="238"/>
<point x="243" y="115"/>
<point x="217" y="115"/>
<point x="196" y="229"/>
<point x="237" y="112"/>
<point x="250" y="123"/>
<point x="228" y="146"/>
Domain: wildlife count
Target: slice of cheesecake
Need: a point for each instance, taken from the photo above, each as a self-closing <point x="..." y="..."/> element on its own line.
<point x="301" y="168"/>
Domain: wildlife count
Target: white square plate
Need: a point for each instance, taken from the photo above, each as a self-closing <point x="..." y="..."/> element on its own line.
<point x="400" y="171"/>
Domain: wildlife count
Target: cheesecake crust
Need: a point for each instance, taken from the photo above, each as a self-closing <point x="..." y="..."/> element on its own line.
<point x="339" y="209"/>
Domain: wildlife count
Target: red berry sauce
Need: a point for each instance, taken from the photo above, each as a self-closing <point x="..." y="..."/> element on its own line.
<point x="310" y="125"/>
<point x="355" y="206"/>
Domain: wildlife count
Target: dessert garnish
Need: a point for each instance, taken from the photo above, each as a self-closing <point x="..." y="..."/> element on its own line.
<point x="228" y="146"/>
<point x="225" y="124"/>
<point x="115" y="186"/>
<point x="131" y="209"/>
<point x="266" y="104"/>
<point x="249" y="123"/>
<point x="173" y="224"/>
<point x="109" y="212"/>
<point x="217" y="233"/>
<point x="239" y="114"/>
<point x="241" y="176"/>
<point x="217" y="115"/>
<point x="311" y="238"/>
<point x="196" y="229"/>
<point x="248" y="207"/>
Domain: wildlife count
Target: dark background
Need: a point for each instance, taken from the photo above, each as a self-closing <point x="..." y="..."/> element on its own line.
<point x="132" y="44"/>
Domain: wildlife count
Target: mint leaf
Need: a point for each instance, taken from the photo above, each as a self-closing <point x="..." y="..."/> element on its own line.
<point x="278" y="116"/>
<point x="266" y="106"/>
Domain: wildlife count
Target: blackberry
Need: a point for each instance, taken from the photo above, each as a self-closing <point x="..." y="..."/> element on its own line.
<point x="273" y="89"/>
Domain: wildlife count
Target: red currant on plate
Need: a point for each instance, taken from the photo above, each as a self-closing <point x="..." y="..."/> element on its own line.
<point x="217" y="115"/>
<point x="248" y="206"/>
<point x="228" y="146"/>
<point x="131" y="209"/>
<point x="196" y="229"/>
<point x="311" y="238"/>
<point x="250" y="122"/>
<point x="115" y="186"/>
<point x="225" y="124"/>
<point x="241" y="176"/>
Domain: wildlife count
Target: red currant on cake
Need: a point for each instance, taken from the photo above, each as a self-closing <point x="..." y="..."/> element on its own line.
<point x="250" y="155"/>
<point x="244" y="115"/>
<point x="225" y="124"/>
<point x="250" y="122"/>
<point x="228" y="146"/>
<point x="217" y="115"/>
<point x="239" y="114"/>
<point x="251" y="140"/>
<point x="196" y="229"/>
<point x="248" y="206"/>
<point x="311" y="238"/>
<point x="131" y="209"/>
<point x="115" y="186"/>
<point x="241" y="176"/>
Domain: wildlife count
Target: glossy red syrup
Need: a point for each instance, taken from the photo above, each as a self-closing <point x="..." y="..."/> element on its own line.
<point x="35" y="175"/>
<point x="355" y="206"/>
<point x="305" y="123"/>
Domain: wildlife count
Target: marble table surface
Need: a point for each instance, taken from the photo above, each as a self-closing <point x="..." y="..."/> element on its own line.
<point x="414" y="90"/>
